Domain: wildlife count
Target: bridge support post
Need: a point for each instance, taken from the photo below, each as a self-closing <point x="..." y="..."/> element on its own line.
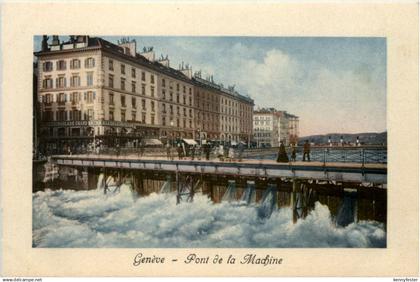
<point x="295" y="187"/>
<point x="85" y="178"/>
<point x="178" y="196"/>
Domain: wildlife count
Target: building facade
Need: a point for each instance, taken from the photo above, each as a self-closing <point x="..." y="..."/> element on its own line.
<point x="91" y="90"/>
<point x="272" y="127"/>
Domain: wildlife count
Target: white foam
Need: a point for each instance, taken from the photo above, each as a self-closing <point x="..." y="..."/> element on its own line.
<point x="92" y="219"/>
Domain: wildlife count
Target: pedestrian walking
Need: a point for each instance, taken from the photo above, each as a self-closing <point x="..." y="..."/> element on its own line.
<point x="282" y="155"/>
<point x="231" y="154"/>
<point x="180" y="152"/>
<point x="225" y="153"/>
<point x="192" y="152"/>
<point x="240" y="151"/>
<point x="207" y="150"/>
<point x="306" y="151"/>
<point x="168" y="151"/>
<point x="293" y="153"/>
<point x="118" y="149"/>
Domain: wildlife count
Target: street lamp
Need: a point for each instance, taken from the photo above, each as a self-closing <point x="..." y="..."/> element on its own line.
<point x="172" y="132"/>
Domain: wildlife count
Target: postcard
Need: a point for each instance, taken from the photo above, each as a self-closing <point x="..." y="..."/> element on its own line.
<point x="219" y="139"/>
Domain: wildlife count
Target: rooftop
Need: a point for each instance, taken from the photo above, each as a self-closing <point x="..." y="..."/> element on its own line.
<point x="84" y="43"/>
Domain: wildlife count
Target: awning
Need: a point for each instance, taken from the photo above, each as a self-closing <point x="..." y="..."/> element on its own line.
<point x="152" y="142"/>
<point x="233" y="143"/>
<point x="190" y="141"/>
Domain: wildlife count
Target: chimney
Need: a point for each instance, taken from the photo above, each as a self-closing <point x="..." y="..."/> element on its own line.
<point x="148" y="53"/>
<point x="55" y="40"/>
<point x="129" y="46"/>
<point x="186" y="70"/>
<point x="164" y="61"/>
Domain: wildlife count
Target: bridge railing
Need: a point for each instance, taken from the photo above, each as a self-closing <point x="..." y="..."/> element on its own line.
<point x="365" y="154"/>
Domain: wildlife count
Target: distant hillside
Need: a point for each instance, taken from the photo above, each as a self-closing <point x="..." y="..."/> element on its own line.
<point x="365" y="138"/>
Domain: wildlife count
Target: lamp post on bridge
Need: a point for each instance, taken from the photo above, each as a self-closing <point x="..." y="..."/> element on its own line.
<point x="172" y="132"/>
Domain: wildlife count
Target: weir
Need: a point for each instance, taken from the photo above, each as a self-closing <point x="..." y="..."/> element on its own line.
<point x="266" y="184"/>
<point x="249" y="195"/>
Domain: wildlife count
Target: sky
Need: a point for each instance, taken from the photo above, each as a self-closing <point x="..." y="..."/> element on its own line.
<point x="334" y="85"/>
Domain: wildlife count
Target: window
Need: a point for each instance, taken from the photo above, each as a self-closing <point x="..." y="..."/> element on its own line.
<point x="177" y="122"/>
<point x="143" y="76"/>
<point x="90" y="96"/>
<point x="75" y="81"/>
<point x="89" y="63"/>
<point x="184" y="89"/>
<point x="90" y="114"/>
<point x="152" y="119"/>
<point x="122" y="83"/>
<point x="185" y="112"/>
<point x="89" y="79"/>
<point x="190" y="112"/>
<point x="184" y="100"/>
<point x="143" y="104"/>
<point x="163" y="82"/>
<point x="133" y="86"/>
<point x="164" y="108"/>
<point x="190" y="101"/>
<point x="152" y="91"/>
<point x="61" y="98"/>
<point x="133" y="102"/>
<point x="163" y="95"/>
<point x="177" y="87"/>
<point x="74" y="97"/>
<point x="61" y="115"/>
<point x="184" y="123"/>
<point x="111" y="115"/>
<point x="177" y="110"/>
<point x="177" y="98"/>
<point x="111" y="65"/>
<point x="152" y="78"/>
<point x="75" y="115"/>
<point x="152" y="106"/>
<point x="61" y="65"/>
<point x="123" y="101"/>
<point x="164" y="121"/>
<point x="189" y="90"/>
<point x="111" y="81"/>
<point x="171" y="109"/>
<point x="133" y="115"/>
<point x="60" y="82"/>
<point x="122" y="69"/>
<point x="48" y="98"/>
<point x="190" y="124"/>
<point x="47" y="83"/>
<point x="75" y="64"/>
<point x="122" y="115"/>
<point x="143" y="89"/>
<point x="47" y="66"/>
<point x="133" y="72"/>
<point x="170" y="96"/>
<point x="143" y="118"/>
<point x="111" y="98"/>
<point x="48" y="116"/>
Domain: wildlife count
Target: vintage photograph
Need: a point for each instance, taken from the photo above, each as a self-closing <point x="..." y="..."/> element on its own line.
<point x="209" y="142"/>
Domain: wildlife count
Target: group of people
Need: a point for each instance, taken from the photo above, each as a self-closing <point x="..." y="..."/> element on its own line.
<point x="223" y="152"/>
<point x="282" y="156"/>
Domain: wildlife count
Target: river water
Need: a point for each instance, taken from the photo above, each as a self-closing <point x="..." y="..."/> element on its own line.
<point x="89" y="218"/>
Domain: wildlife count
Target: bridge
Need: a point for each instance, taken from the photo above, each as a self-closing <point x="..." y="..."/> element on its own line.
<point x="360" y="186"/>
<point x="342" y="172"/>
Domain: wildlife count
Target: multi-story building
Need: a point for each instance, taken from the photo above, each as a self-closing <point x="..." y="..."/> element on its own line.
<point x="272" y="127"/>
<point x="223" y="114"/>
<point x="90" y="89"/>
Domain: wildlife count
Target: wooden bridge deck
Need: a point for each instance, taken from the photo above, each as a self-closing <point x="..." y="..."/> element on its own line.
<point x="346" y="172"/>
